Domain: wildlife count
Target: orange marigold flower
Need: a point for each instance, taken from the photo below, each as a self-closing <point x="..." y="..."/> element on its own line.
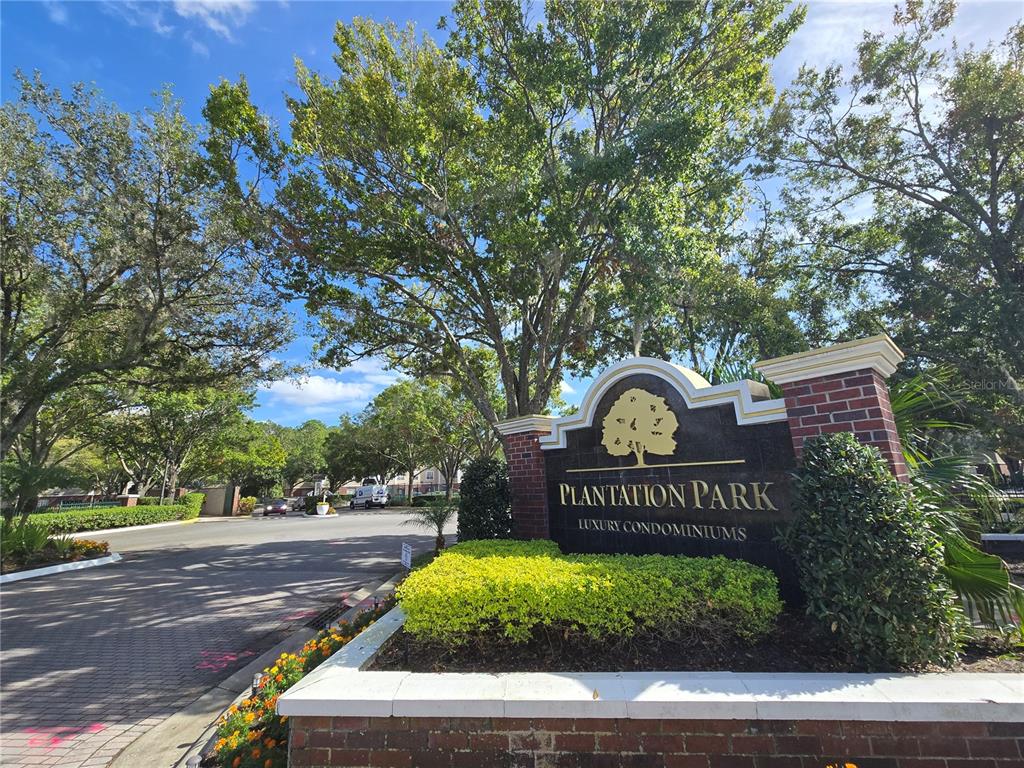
<point x="236" y="762"/>
<point x="270" y="743"/>
<point x="267" y="763"/>
<point x="256" y="752"/>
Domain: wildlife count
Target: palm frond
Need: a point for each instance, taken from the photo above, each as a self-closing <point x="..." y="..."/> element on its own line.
<point x="956" y="499"/>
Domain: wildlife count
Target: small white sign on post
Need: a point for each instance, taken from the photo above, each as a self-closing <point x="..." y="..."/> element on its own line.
<point x="407" y="556"/>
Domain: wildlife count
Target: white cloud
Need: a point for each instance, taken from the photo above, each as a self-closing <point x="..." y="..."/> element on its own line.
<point x="197" y="47"/>
<point x="139" y="14"/>
<point x="57" y="13"/>
<point x="315" y="390"/>
<point x="566" y="388"/>
<point x="219" y="16"/>
<point x="222" y="17"/>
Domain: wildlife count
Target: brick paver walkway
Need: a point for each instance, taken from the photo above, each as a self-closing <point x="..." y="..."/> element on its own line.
<point x="92" y="659"/>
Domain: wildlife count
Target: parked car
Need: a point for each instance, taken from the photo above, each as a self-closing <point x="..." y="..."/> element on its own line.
<point x="367" y="496"/>
<point x="277" y="507"/>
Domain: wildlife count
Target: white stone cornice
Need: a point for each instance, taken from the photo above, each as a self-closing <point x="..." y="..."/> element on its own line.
<point x="877" y="353"/>
<point x="748" y="398"/>
<point x="526" y="424"/>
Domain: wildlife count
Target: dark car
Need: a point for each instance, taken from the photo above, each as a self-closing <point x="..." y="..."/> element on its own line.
<point x="277" y="507"/>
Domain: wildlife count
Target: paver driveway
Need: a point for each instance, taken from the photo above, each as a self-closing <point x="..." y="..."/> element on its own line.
<point x="92" y="659"/>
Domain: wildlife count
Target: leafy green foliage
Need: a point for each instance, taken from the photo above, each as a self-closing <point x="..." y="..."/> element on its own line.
<point x="869" y="564"/>
<point x="27" y="544"/>
<point x="956" y="499"/>
<point x="24" y="538"/>
<point x="504" y="590"/>
<point x="119" y="517"/>
<point x="434" y="516"/>
<point x="119" y="248"/>
<point x="927" y="138"/>
<point x="485" y="510"/>
<point x="491" y="194"/>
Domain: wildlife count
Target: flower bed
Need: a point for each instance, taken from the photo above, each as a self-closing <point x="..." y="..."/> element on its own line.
<point x="251" y="734"/>
<point x="53" y="553"/>
<point x="119" y="517"/>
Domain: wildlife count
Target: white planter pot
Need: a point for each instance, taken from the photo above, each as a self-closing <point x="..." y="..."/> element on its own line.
<point x="322" y="507"/>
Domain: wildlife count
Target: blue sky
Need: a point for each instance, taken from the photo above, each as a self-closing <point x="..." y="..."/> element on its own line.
<point x="132" y="49"/>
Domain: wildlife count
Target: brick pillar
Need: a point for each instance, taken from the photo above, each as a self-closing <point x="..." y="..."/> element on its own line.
<point x="526" y="475"/>
<point x="841" y="389"/>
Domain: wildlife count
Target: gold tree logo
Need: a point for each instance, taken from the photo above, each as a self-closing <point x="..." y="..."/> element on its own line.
<point x="639" y="423"/>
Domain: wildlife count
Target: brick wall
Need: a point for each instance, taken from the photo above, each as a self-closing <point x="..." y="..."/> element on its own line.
<point x="855" y="402"/>
<point x="323" y="742"/>
<point x="529" y="490"/>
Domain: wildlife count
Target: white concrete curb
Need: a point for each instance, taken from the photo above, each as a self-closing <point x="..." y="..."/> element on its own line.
<point x="1002" y="537"/>
<point x="105" y="531"/>
<point x="340" y="687"/>
<point x="61" y="568"/>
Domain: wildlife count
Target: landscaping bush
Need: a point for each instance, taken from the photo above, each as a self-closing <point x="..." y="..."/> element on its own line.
<point x="424" y="499"/>
<point x="868" y="563"/>
<point x="119" y="517"/>
<point x="484" y="503"/>
<point x="486" y="590"/>
<point x="246" y="505"/>
<point x="26" y="545"/>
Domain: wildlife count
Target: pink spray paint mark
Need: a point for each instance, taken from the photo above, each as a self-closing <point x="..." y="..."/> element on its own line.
<point x="301" y="615"/>
<point x="218" y="660"/>
<point x="49" y="738"/>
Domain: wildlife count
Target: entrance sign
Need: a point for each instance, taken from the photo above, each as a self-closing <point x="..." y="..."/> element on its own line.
<point x="657" y="460"/>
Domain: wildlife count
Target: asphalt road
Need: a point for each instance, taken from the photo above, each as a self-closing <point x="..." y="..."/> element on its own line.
<point x="92" y="659"/>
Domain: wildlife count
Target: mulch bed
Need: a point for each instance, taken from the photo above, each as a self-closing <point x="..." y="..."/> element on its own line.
<point x="796" y="646"/>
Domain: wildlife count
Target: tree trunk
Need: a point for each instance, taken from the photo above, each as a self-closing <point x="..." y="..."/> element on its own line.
<point x="408" y="486"/>
<point x="172" y="483"/>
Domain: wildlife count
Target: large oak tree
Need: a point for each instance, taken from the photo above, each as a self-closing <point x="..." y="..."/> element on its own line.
<point x="122" y="256"/>
<point x="907" y="187"/>
<point x="485" y="194"/>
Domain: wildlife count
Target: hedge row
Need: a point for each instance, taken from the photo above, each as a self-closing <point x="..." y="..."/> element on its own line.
<point x="101" y="518"/>
<point x="507" y="590"/>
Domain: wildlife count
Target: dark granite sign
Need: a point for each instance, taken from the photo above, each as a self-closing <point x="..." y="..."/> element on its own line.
<point x="651" y="473"/>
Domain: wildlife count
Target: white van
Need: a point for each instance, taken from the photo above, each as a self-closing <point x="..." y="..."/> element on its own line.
<point x="370" y="496"/>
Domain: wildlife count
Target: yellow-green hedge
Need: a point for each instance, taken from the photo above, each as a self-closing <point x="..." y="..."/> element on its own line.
<point x="482" y="589"/>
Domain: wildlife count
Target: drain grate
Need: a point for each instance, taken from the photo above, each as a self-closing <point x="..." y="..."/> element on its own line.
<point x="327" y="616"/>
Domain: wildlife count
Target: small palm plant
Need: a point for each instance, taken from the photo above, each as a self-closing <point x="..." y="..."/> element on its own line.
<point x="434" y="516"/>
<point x="954" y="496"/>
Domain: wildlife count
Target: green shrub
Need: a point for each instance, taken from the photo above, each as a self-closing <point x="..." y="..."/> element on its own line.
<point x="64" y="545"/>
<point x="424" y="499"/>
<point x="486" y="590"/>
<point x="119" y="517"/>
<point x="868" y="563"/>
<point x="485" y="501"/>
<point x="22" y="538"/>
<point x="194" y="502"/>
<point x="246" y="505"/>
